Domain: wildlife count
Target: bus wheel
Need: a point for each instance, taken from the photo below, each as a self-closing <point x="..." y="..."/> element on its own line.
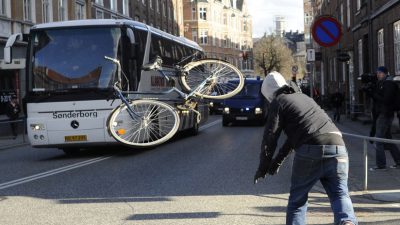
<point x="71" y="151"/>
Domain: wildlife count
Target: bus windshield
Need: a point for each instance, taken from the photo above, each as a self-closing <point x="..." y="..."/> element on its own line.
<point x="68" y="59"/>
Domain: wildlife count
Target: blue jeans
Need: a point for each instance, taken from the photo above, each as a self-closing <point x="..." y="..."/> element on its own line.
<point x="328" y="164"/>
<point x="383" y="130"/>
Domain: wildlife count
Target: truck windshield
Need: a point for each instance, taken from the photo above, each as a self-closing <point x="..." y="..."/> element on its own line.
<point x="68" y="59"/>
<point x="249" y="90"/>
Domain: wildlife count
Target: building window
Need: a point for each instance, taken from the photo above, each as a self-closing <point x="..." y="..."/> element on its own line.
<point x="151" y="4"/>
<point x="214" y="39"/>
<point x="113" y="5"/>
<point x="125" y="7"/>
<point x="3" y="7"/>
<point x="28" y="10"/>
<point x="194" y="35"/>
<point x="46" y="10"/>
<point x="341" y="14"/>
<point x="358" y="5"/>
<point x="62" y="10"/>
<point x="381" y="48"/>
<point x="348" y="13"/>
<point x="360" y="57"/>
<point x="203" y="37"/>
<point x="396" y="33"/>
<point x="143" y="2"/>
<point x="225" y="41"/>
<point x="99" y="14"/>
<point x="203" y="13"/>
<point x="80" y="10"/>
<point x="100" y="2"/>
<point x="158" y="6"/>
<point x="194" y="17"/>
<point x="164" y="9"/>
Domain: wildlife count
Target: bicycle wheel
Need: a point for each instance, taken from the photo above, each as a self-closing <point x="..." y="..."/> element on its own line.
<point x="152" y="123"/>
<point x="212" y="78"/>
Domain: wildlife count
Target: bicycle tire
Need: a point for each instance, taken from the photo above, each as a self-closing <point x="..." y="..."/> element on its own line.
<point x="154" y="123"/>
<point x="224" y="79"/>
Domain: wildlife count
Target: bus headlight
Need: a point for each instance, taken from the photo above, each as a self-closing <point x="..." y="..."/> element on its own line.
<point x="258" y="110"/>
<point x="37" y="126"/>
<point x="226" y="110"/>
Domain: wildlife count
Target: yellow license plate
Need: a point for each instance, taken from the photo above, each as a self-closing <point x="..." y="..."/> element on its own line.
<point x="75" y="138"/>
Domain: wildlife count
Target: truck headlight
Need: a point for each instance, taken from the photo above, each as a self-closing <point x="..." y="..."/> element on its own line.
<point x="226" y="110"/>
<point x="258" y="110"/>
<point x="37" y="126"/>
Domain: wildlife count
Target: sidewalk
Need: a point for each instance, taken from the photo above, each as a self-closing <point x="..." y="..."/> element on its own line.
<point x="382" y="185"/>
<point x="6" y="139"/>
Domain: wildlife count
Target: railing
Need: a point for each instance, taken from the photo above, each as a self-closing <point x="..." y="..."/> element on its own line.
<point x="365" y="151"/>
<point x="355" y="110"/>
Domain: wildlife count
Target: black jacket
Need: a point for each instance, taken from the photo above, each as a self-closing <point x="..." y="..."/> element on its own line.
<point x="12" y="111"/>
<point x="300" y="117"/>
<point x="383" y="97"/>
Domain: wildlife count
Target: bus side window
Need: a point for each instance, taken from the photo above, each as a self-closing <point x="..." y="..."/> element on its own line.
<point x="155" y="48"/>
<point x="140" y="39"/>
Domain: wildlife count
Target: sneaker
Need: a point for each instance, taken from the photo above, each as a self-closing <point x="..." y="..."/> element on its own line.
<point x="377" y="168"/>
<point x="395" y="166"/>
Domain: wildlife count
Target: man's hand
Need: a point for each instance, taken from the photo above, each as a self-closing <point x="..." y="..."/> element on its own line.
<point x="259" y="175"/>
<point x="263" y="166"/>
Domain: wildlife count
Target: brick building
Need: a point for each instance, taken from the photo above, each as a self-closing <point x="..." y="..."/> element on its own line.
<point x="371" y="37"/>
<point x="223" y="28"/>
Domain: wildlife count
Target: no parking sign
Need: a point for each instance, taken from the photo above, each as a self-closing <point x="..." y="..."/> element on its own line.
<point x="326" y="31"/>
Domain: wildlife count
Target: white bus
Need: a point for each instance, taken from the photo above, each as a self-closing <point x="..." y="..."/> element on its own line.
<point x="69" y="94"/>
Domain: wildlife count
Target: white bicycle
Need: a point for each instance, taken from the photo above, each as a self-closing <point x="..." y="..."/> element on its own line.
<point x="145" y="123"/>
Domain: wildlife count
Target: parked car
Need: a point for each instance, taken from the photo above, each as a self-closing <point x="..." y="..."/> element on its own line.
<point x="249" y="105"/>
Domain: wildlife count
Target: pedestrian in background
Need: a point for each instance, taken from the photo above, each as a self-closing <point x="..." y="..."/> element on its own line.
<point x="337" y="101"/>
<point x="320" y="152"/>
<point x="12" y="112"/>
<point x="383" y="98"/>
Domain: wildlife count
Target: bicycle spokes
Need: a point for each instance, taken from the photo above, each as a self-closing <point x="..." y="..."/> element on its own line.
<point x="153" y="123"/>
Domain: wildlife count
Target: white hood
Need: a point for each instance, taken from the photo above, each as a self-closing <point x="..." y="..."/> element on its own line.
<point x="272" y="82"/>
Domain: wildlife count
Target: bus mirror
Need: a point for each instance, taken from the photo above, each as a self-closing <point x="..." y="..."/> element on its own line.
<point x="131" y="36"/>
<point x="8" y="48"/>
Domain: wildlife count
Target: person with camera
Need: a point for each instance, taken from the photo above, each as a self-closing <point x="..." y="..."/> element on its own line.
<point x="320" y="152"/>
<point x="383" y="96"/>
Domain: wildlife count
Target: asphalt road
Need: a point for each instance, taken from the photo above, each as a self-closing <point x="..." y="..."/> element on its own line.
<point x="203" y="179"/>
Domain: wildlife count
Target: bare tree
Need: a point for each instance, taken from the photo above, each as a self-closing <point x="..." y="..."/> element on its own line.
<point x="271" y="54"/>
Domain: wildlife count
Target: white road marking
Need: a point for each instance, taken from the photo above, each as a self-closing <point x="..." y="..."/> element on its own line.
<point x="51" y="172"/>
<point x="208" y="125"/>
<point x="72" y="166"/>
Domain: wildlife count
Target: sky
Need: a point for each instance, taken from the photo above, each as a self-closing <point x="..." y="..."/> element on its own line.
<point x="263" y="13"/>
